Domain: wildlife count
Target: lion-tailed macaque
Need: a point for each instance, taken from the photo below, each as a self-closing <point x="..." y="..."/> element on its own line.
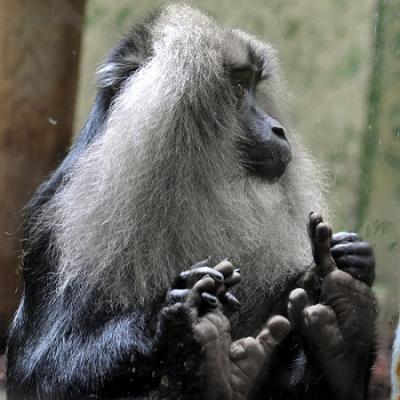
<point x="188" y="153"/>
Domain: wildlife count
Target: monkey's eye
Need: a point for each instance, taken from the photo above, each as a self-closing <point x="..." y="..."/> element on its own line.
<point x="239" y="90"/>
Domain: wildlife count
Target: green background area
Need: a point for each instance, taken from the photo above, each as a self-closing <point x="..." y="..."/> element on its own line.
<point x="345" y="103"/>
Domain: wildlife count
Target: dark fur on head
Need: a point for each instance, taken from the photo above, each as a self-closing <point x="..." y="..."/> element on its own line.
<point x="162" y="185"/>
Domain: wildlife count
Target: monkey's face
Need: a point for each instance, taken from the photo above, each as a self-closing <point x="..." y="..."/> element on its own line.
<point x="265" y="149"/>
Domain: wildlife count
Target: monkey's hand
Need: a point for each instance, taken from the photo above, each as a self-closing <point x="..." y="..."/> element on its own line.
<point x="353" y="256"/>
<point x="178" y="352"/>
<point x="174" y="316"/>
<point x="223" y="275"/>
<point x="213" y="366"/>
<point x="229" y="368"/>
<point x="338" y="331"/>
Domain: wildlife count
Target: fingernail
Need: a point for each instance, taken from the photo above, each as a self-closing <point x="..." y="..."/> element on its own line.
<point x="219" y="277"/>
<point x="209" y="299"/>
<point x="237" y="270"/>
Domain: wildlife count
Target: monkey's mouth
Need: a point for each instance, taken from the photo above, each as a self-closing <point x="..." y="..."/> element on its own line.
<point x="269" y="164"/>
<point x="271" y="172"/>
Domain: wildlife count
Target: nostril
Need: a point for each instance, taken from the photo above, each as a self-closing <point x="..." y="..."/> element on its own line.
<point x="279" y="131"/>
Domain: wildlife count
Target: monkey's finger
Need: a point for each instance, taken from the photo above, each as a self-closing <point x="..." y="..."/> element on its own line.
<point x="275" y="330"/>
<point x="323" y="233"/>
<point x="230" y="301"/>
<point x="320" y="234"/>
<point x="225" y="267"/>
<point x="176" y="296"/>
<point x="315" y="218"/>
<point x="254" y="352"/>
<point x="187" y="279"/>
<point x="322" y="250"/>
<point x="210" y="299"/>
<point x="205" y="284"/>
<point x="357" y="248"/>
<point x="359" y="267"/>
<point x="342" y="237"/>
<point x="298" y="301"/>
<point x="232" y="280"/>
<point x="229" y="282"/>
<point x="195" y="298"/>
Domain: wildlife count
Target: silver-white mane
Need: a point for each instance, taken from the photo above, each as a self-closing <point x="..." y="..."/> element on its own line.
<point x="163" y="187"/>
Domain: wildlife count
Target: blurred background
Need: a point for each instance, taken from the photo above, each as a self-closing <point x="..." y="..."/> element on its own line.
<point x="342" y="63"/>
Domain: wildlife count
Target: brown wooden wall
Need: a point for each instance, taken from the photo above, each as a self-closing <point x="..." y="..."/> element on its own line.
<point x="39" y="56"/>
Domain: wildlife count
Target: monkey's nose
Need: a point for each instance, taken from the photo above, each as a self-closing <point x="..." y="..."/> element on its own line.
<point x="279" y="131"/>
